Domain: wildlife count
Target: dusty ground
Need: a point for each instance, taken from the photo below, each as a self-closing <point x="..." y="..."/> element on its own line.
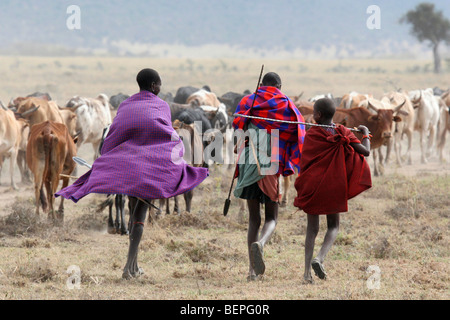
<point x="399" y="226"/>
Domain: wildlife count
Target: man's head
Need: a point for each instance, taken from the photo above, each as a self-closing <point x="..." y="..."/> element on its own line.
<point x="272" y="79"/>
<point x="148" y="79"/>
<point x="324" y="110"/>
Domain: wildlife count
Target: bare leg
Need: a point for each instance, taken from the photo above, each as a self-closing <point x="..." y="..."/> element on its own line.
<point x="270" y="222"/>
<point x="256" y="247"/>
<point x="330" y="236"/>
<point x="253" y="228"/>
<point x="137" y="228"/>
<point x="312" y="230"/>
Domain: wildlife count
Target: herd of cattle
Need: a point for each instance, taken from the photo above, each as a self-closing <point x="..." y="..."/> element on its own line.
<point x="41" y="137"/>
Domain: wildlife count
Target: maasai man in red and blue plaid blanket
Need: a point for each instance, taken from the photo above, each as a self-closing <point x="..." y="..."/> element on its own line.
<point x="142" y="157"/>
<point x="272" y="149"/>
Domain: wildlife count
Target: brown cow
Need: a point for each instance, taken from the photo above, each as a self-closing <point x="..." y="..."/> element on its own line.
<point x="49" y="153"/>
<point x="379" y="124"/>
<point x="37" y="110"/>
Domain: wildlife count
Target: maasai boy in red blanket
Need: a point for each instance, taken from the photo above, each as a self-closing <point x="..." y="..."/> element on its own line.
<point x="258" y="179"/>
<point x="333" y="170"/>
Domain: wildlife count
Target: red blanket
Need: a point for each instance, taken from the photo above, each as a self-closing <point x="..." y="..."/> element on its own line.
<point x="331" y="172"/>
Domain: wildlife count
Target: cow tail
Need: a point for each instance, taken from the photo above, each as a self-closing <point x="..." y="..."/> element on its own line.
<point x="50" y="142"/>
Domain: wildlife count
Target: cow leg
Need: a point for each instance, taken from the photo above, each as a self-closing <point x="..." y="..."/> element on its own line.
<point x="408" y="158"/>
<point x="137" y="219"/>
<point x="176" y="208"/>
<point x="54" y="182"/>
<point x="375" y="163"/>
<point x="38" y="192"/>
<point x="431" y="139"/>
<point x="285" y="197"/>
<point x="49" y="194"/>
<point x="188" y="199"/>
<point x="1" y="166"/>
<point x="380" y="162"/>
<point x="111" y="229"/>
<point x="120" y="204"/>
<point x="441" y="144"/>
<point x="423" y="147"/>
<point x="12" y="163"/>
<point x="391" y="143"/>
<point x="96" y="145"/>
<point x="398" y="149"/>
<point x="24" y="171"/>
<point x="61" y="204"/>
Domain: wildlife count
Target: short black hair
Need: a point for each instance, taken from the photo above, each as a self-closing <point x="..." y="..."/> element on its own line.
<point x="326" y="107"/>
<point x="146" y="77"/>
<point x="271" y="79"/>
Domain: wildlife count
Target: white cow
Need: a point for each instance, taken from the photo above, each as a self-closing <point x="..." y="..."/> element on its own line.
<point x="444" y="126"/>
<point x="93" y="115"/>
<point x="427" y="118"/>
<point x="353" y="100"/>
<point x="320" y="96"/>
<point x="10" y="134"/>
<point x="401" y="128"/>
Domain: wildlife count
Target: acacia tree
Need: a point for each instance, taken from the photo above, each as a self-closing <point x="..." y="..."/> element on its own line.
<point x="429" y="25"/>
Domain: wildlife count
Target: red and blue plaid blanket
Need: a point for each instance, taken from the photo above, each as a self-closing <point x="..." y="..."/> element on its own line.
<point x="271" y="103"/>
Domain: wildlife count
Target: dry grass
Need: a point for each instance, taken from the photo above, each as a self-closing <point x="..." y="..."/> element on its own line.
<point x="400" y="225"/>
<point x="202" y="255"/>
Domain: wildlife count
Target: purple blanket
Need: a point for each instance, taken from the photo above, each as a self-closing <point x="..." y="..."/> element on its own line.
<point x="141" y="156"/>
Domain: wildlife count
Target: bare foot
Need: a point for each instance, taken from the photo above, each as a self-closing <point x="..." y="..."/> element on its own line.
<point x="257" y="258"/>
<point x="318" y="269"/>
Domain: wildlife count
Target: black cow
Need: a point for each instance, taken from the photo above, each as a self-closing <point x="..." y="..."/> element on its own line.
<point x="232" y="99"/>
<point x="438" y="91"/>
<point x="40" y="95"/>
<point x="167" y="97"/>
<point x="190" y="116"/>
<point x="117" y="99"/>
<point x="183" y="93"/>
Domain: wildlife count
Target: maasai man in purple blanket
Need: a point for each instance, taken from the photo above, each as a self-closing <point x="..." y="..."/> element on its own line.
<point x="142" y="157"/>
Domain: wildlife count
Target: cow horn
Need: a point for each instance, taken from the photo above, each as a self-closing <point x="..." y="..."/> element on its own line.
<point x="371" y="106"/>
<point x="301" y="94"/>
<point x="3" y="107"/>
<point x="445" y="94"/>
<point x="418" y="100"/>
<point x="397" y="109"/>
<point x="29" y="111"/>
<point x="77" y="134"/>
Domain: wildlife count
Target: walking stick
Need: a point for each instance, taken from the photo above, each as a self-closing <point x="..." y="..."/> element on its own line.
<point x="226" y="207"/>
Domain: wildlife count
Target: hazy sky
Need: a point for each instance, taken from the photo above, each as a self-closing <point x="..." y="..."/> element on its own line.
<point x="262" y="24"/>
